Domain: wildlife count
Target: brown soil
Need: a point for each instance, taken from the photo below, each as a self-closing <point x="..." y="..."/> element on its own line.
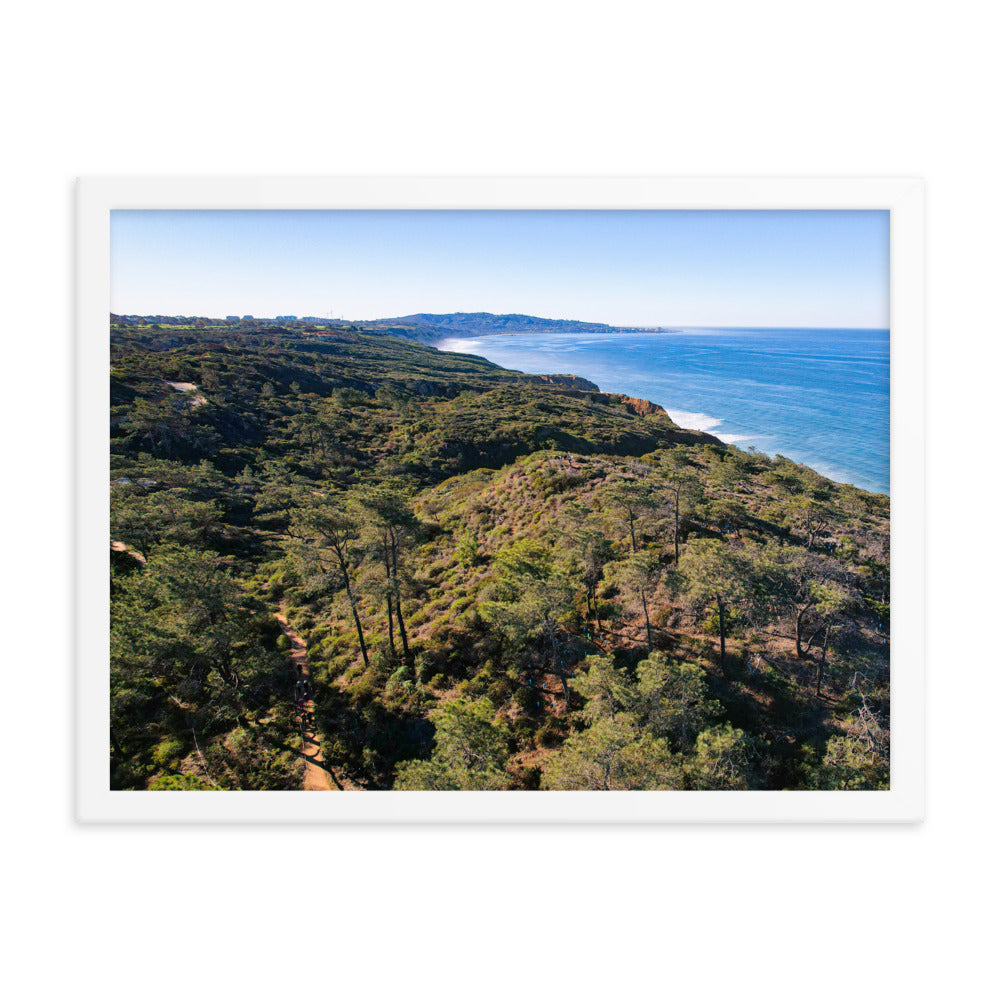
<point x="316" y="778"/>
<point x="197" y="399"/>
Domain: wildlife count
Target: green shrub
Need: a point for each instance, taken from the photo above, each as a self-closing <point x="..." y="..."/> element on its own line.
<point x="530" y="777"/>
<point x="467" y="550"/>
<point x="168" y="751"/>
<point x="550" y="733"/>
<point x="499" y="692"/>
<point x="523" y="730"/>
<point x="364" y="689"/>
<point x="180" y="783"/>
<point x="422" y="666"/>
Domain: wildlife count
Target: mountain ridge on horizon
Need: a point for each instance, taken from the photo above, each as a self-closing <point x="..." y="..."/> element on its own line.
<point x="487" y="322"/>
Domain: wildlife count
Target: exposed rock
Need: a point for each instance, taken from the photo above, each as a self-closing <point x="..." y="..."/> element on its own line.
<point x="642" y="407"/>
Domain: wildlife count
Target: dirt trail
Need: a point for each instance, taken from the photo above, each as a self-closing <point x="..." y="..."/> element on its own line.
<point x="196" y="400"/>
<point x="317" y="778"/>
<point x="122" y="547"/>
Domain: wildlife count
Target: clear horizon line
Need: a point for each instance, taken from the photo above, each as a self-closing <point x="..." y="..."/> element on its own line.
<point x="386" y="319"/>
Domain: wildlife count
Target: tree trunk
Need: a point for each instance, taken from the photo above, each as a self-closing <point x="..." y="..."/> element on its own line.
<point x="357" y="625"/>
<point x="402" y="635"/>
<point x="557" y="668"/>
<point x="812" y="638"/>
<point x="722" y="634"/>
<point x="388" y="618"/>
<point x="592" y="590"/>
<point x="388" y="598"/>
<point x="813" y="531"/>
<point x="399" y="604"/>
<point x="822" y="663"/>
<point x="565" y="688"/>
<point x="645" y="612"/>
<point x="677" y="527"/>
<point x="354" y="606"/>
<point x="799" y="618"/>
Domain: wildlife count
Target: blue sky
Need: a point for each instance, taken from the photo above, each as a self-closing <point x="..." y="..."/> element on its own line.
<point x="644" y="268"/>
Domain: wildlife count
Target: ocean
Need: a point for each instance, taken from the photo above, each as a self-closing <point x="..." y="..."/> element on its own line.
<point x="816" y="396"/>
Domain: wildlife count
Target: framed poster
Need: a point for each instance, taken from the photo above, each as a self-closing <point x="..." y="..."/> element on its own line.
<point x="500" y="500"/>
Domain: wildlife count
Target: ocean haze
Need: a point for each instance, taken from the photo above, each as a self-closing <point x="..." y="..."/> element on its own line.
<point x="817" y="396"/>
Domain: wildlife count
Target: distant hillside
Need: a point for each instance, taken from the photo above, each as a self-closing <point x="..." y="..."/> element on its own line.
<point x="422" y="327"/>
<point x="484" y="322"/>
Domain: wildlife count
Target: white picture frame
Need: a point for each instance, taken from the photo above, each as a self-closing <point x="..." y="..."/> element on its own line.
<point x="97" y="197"/>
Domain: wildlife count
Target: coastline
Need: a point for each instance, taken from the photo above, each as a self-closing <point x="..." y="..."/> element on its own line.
<point x="719" y="416"/>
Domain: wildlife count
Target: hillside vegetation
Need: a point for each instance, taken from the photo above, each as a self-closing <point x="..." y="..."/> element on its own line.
<point x="452" y="324"/>
<point x="504" y="581"/>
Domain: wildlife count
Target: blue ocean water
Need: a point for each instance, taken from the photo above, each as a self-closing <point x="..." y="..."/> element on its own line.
<point x="819" y="397"/>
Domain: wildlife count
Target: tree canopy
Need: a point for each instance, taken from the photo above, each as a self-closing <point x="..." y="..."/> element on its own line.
<point x="500" y="581"/>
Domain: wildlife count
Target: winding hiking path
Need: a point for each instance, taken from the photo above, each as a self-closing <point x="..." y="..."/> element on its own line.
<point x="317" y="778"/>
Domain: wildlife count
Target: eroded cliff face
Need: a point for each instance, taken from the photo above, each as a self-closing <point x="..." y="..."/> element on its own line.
<point x="679" y="435"/>
<point x="642" y="407"/>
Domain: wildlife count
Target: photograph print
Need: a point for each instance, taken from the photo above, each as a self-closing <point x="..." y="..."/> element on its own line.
<point x="506" y="500"/>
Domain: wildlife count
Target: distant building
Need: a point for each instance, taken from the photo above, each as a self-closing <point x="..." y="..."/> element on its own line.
<point x="232" y="317"/>
<point x="248" y="317"/>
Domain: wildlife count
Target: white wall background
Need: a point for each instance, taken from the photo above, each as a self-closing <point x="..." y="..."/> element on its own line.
<point x="725" y="87"/>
